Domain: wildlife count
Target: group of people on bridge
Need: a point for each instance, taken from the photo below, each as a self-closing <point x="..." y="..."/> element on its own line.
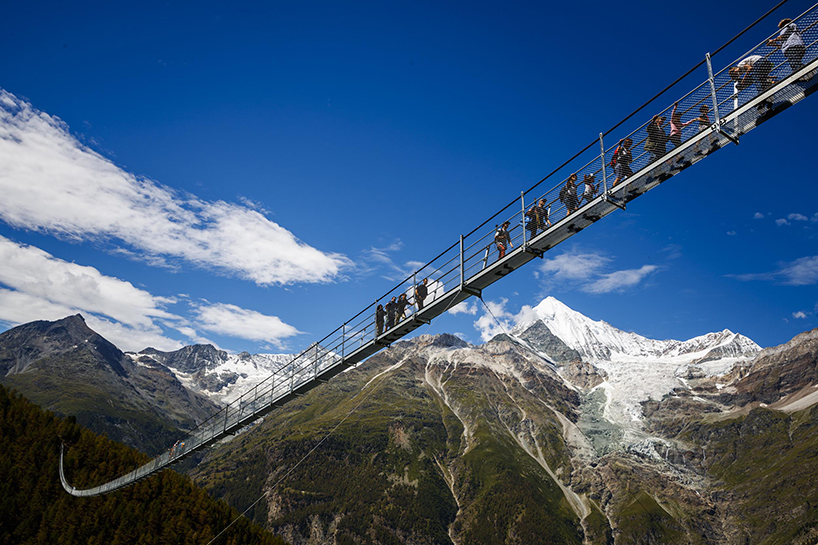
<point x="752" y="70"/>
<point x="394" y="311"/>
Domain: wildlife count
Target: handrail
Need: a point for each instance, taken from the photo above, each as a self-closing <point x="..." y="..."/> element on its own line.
<point x="450" y="282"/>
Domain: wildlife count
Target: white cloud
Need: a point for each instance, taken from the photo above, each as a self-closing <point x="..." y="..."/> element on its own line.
<point x="51" y="183"/>
<point x="586" y="271"/>
<point x="731" y="233"/>
<point x="488" y="326"/>
<point x="39" y="286"/>
<point x="574" y="266"/>
<point x="464" y="308"/>
<point x="800" y="314"/>
<point x="619" y="280"/>
<point x="801" y="272"/>
<point x="32" y="271"/>
<point x="380" y="257"/>
<point x="242" y="323"/>
<point x="797" y="217"/>
<point x="781" y="221"/>
<point x="758" y="216"/>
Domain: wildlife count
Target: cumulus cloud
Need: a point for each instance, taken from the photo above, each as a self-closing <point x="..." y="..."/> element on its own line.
<point x="758" y="216"/>
<point x="464" y="308"/>
<point x="574" y="266"/>
<point x="801" y="272"/>
<point x="34" y="285"/>
<point x="731" y="233"/>
<point x="53" y="184"/>
<point x="797" y="217"/>
<point x="242" y="323"/>
<point x="800" y="314"/>
<point x="59" y="284"/>
<point x="781" y="221"/>
<point x="586" y="271"/>
<point x="499" y="320"/>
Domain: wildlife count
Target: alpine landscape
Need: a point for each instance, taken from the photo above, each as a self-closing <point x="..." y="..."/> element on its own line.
<point x="408" y="273"/>
<point x="562" y="430"/>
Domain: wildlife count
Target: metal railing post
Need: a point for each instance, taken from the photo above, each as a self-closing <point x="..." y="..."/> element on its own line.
<point x="344" y="337"/>
<point x="713" y="90"/>
<point x="315" y="363"/>
<point x="462" y="269"/>
<point x="717" y="125"/>
<point x="522" y="218"/>
<point x="604" y="175"/>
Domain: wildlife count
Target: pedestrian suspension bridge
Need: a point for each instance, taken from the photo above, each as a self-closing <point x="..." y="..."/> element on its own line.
<point x="472" y="264"/>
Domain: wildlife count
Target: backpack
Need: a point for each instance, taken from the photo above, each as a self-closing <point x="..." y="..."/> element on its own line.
<point x="615" y="156"/>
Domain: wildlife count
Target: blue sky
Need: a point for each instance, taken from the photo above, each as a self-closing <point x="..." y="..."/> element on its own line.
<point x="252" y="175"/>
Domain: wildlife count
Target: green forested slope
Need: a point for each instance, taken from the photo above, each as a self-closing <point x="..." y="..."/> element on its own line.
<point x="166" y="509"/>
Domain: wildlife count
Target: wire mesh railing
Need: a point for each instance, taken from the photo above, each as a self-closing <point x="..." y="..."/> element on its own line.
<point x="714" y="107"/>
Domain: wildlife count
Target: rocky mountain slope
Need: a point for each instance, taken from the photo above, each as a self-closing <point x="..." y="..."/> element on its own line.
<point x="518" y="441"/>
<point x="566" y="430"/>
<point x="216" y="374"/>
<point x="66" y="367"/>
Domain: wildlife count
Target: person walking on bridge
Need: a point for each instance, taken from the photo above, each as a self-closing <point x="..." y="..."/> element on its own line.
<point x="380" y="314"/>
<point x="656" y="142"/>
<point x="544" y="211"/>
<point x="753" y="70"/>
<point x="676" y="125"/>
<point x="791" y="44"/>
<point x="591" y="188"/>
<point x="421" y="291"/>
<point x="391" y="307"/>
<point x="400" y="308"/>
<point x="621" y="160"/>
<point x="568" y="194"/>
<point x="502" y="240"/>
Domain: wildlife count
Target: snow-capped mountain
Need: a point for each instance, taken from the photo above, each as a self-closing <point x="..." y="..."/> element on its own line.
<point x="221" y="376"/>
<point x="599" y="341"/>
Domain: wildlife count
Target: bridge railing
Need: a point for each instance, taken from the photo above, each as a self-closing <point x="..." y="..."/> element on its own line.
<point x="463" y="261"/>
<point x="468" y="257"/>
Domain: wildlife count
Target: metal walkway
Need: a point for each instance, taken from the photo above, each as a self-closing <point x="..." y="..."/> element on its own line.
<point x="472" y="264"/>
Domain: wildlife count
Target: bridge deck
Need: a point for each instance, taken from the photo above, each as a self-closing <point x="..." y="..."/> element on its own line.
<point x="466" y="268"/>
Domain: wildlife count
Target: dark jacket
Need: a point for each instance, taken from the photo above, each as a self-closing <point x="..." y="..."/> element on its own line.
<point x="421" y="291"/>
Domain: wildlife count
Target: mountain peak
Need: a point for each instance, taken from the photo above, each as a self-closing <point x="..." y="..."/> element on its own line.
<point x="600" y="341"/>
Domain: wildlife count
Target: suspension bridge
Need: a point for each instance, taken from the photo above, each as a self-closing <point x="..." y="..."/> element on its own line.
<point x="734" y="107"/>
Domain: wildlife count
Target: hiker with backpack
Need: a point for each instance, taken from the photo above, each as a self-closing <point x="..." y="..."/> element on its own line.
<point x="544" y="212"/>
<point x="502" y="240"/>
<point x="568" y="195"/>
<point x="590" y="188"/>
<point x="621" y="160"/>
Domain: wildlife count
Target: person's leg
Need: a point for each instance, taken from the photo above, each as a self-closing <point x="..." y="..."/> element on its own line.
<point x="761" y="75"/>
<point x="795" y="56"/>
<point x="676" y="139"/>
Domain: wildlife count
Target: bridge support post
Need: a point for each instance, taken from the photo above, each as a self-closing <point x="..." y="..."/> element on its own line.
<point x="522" y="217"/>
<point x="602" y="155"/>
<point x="711" y="79"/>
<point x="462" y="264"/>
